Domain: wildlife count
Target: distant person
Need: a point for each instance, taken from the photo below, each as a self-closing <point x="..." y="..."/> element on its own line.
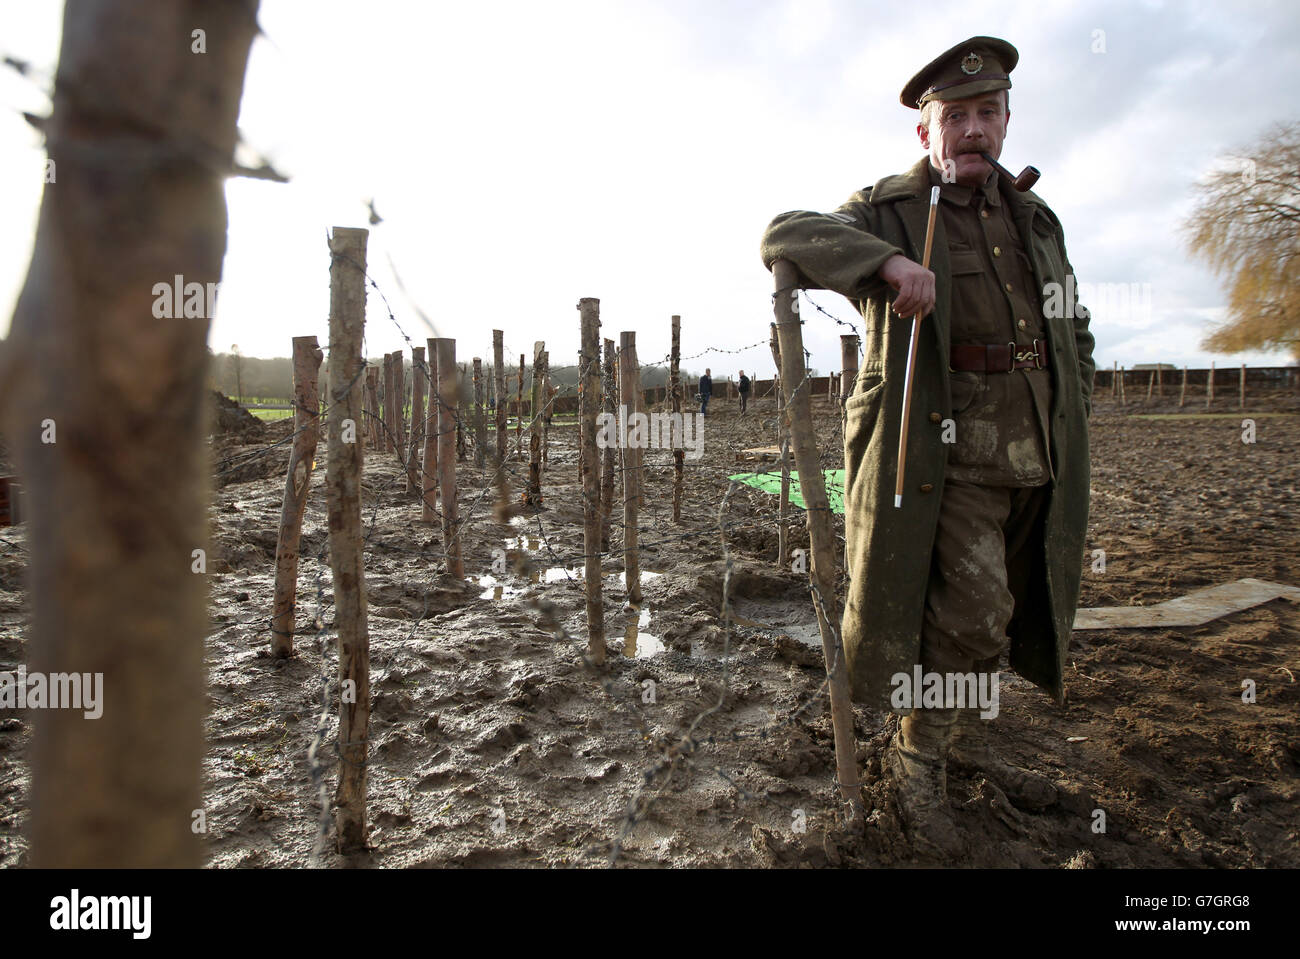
<point x="742" y="385"/>
<point x="706" y="391"/>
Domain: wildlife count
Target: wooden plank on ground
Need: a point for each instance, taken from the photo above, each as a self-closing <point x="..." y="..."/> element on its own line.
<point x="1194" y="609"/>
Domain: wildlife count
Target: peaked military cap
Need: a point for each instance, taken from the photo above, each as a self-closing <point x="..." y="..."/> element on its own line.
<point x="968" y="69"/>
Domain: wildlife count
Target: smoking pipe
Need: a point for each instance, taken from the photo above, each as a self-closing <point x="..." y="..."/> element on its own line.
<point x="1028" y="177"/>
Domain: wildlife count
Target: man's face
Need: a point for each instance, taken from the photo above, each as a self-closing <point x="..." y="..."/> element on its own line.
<point x="960" y="129"/>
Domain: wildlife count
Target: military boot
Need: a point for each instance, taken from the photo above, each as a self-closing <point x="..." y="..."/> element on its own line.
<point x="917" y="758"/>
<point x="971" y="753"/>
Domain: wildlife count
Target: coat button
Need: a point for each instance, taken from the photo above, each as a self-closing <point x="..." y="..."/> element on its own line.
<point x="1008" y="287"/>
<point x="1020" y="323"/>
<point x="927" y="487"/>
<point x="997" y="251"/>
<point x="936" y="418"/>
<point x="984" y="214"/>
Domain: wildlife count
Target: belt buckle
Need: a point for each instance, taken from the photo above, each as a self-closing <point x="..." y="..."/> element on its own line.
<point x="1038" y="355"/>
<point x="1011" y="357"/>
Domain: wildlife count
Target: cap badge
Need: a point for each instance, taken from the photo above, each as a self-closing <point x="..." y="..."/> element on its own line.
<point x="972" y="63"/>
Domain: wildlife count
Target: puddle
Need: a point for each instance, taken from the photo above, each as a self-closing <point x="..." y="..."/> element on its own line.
<point x="636" y="643"/>
<point x="495" y="588"/>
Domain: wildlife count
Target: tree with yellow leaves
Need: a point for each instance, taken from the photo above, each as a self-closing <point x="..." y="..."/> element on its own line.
<point x="1246" y="226"/>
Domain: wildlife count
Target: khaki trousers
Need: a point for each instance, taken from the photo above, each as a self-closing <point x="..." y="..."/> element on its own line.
<point x="983" y="549"/>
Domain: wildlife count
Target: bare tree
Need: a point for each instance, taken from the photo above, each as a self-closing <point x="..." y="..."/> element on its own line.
<point x="1246" y="226"/>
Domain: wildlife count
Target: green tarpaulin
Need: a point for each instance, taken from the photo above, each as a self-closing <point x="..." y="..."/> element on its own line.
<point x="771" y="483"/>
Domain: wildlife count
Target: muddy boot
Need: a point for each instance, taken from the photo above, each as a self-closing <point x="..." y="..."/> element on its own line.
<point x="972" y="753"/>
<point x="916" y="760"/>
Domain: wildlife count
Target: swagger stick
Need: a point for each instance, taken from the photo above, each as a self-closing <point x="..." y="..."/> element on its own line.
<point x="911" y="358"/>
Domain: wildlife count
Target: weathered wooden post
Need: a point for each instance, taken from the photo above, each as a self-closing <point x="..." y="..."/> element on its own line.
<point x="1151" y="385"/>
<point x="548" y="406"/>
<point x="399" y="378"/>
<point x="448" y="398"/>
<point x="813" y="487"/>
<point x="419" y="390"/>
<point x="390" y="404"/>
<point x="374" y="421"/>
<point x="589" y="400"/>
<point x="519" y="411"/>
<point x="429" y="473"/>
<point x="849" y="366"/>
<point x="1182" y="393"/>
<point x="1209" y="387"/>
<point x="611" y="452"/>
<point x="499" y="381"/>
<point x="307" y="358"/>
<point x="630" y="393"/>
<point x="343" y="471"/>
<point x="1121" y="386"/>
<point x="783" y="442"/>
<point x="460" y="414"/>
<point x="1160" y="380"/>
<point x="533" y="494"/>
<point x="480" y="422"/>
<point x="104" y="406"/>
<point x="675" y="385"/>
<point x="1241" y="400"/>
<point x="1114" y="380"/>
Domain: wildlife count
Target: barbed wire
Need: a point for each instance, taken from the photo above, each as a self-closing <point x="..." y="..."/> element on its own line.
<point x="672" y="752"/>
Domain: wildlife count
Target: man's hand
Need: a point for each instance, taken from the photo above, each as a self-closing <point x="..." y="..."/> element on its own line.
<point x="914" y="283"/>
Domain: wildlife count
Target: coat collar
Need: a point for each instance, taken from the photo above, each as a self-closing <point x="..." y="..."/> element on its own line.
<point x="915" y="185"/>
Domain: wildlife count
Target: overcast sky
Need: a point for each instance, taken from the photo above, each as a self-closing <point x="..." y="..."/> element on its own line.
<point x="527" y="154"/>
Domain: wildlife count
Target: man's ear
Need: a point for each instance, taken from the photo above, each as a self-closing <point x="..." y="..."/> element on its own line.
<point x="923" y="132"/>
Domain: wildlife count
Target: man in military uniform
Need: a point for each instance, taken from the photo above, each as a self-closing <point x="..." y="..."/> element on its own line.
<point x="984" y="556"/>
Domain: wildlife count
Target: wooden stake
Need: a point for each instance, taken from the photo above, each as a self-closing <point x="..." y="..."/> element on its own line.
<point x="399" y="431"/>
<point x="783" y="442"/>
<point x="343" y="472"/>
<point x="1209" y="387"/>
<point x="533" y="495"/>
<point x="106" y="412"/>
<point x="1160" y="380"/>
<point x="448" y="396"/>
<point x="1151" y="385"/>
<point x="821" y="535"/>
<point x="499" y="385"/>
<point x="675" y="386"/>
<point x="630" y="393"/>
<point x="1121" y="386"/>
<point x="390" y="403"/>
<point x="307" y="358"/>
<point x="610" y="452"/>
<point x="429" y="473"/>
<point x="1241" y="400"/>
<point x="547" y="407"/>
<point x="419" y="390"/>
<point x="1182" y="393"/>
<point x="480" y="420"/>
<point x="461" y="452"/>
<point x="519" y="412"/>
<point x="1114" y="379"/>
<point x="374" y="422"/>
<point x="589" y="400"/>
<point x="849" y="362"/>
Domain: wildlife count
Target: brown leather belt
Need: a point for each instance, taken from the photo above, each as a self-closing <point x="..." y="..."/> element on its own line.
<point x="997" y="358"/>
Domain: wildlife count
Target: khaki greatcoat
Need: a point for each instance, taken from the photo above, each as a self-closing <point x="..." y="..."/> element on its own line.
<point x="888" y="549"/>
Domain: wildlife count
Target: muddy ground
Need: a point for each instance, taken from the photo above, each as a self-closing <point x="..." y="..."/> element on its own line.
<point x="493" y="745"/>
